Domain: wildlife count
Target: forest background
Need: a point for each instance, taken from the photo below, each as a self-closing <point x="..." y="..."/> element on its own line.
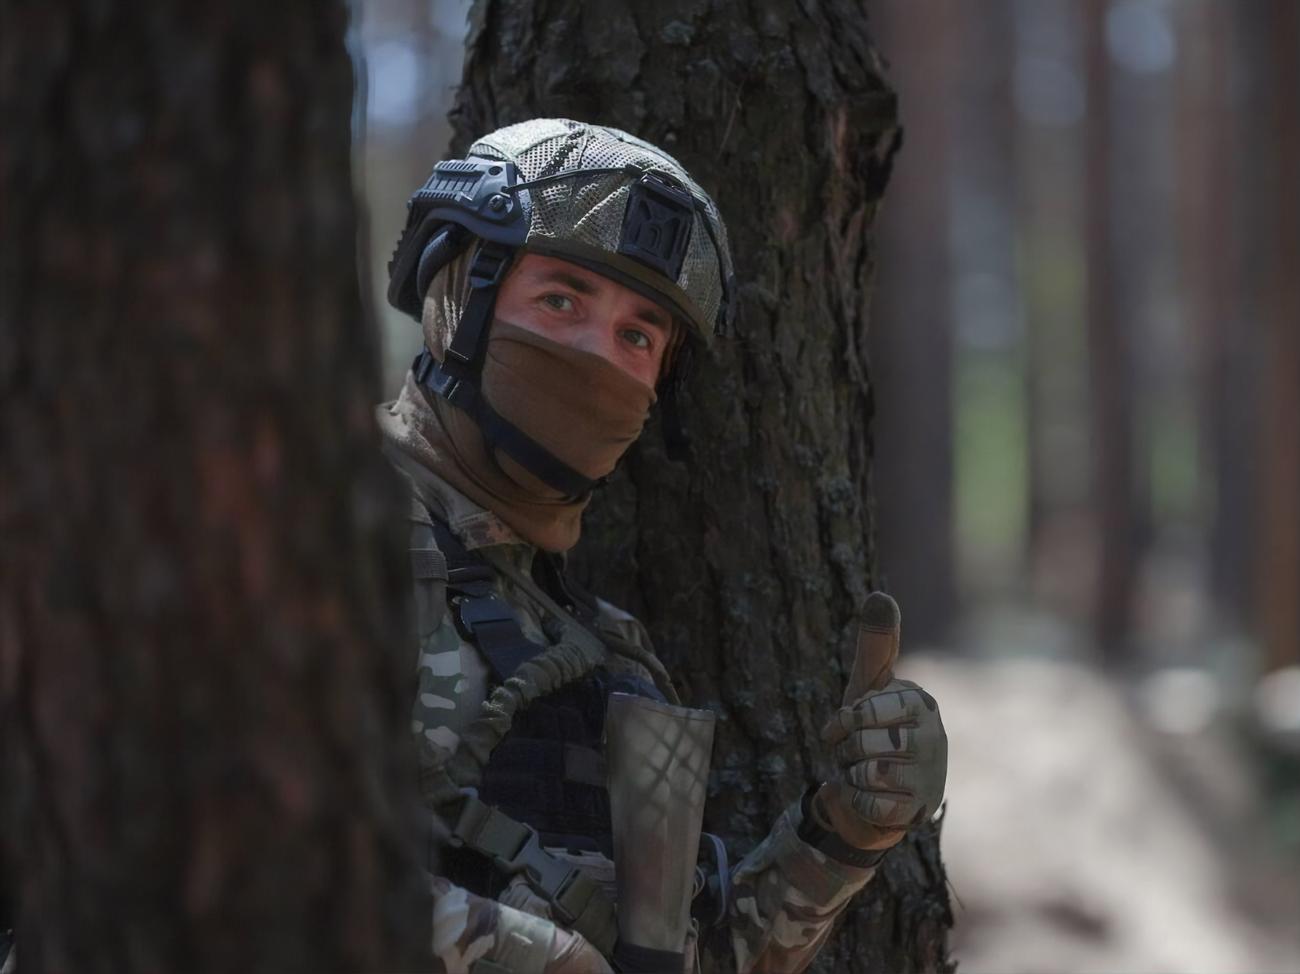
<point x="1037" y="374"/>
<point x="1085" y="349"/>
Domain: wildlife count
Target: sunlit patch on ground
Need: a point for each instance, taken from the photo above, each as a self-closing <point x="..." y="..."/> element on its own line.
<point x="1080" y="837"/>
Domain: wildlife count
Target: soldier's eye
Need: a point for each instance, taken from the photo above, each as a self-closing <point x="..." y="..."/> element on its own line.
<point x="638" y="338"/>
<point x="560" y="302"/>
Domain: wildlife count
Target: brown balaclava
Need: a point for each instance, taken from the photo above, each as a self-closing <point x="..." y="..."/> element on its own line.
<point x="583" y="409"/>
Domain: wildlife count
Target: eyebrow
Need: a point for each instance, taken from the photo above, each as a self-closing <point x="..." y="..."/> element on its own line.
<point x="652" y="315"/>
<point x="570" y="280"/>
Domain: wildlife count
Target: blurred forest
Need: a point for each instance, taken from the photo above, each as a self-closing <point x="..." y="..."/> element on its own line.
<point x="1086" y="357"/>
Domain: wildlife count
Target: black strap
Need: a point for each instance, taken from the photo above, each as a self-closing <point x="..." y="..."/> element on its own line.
<point x="646" y="960"/>
<point x="830" y="844"/>
<point x="469" y="344"/>
<point x="485" y="619"/>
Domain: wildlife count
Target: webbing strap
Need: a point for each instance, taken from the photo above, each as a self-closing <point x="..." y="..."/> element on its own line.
<point x="469" y="344"/>
<point x="489" y="621"/>
<point x="428" y="564"/>
<point x="492" y="624"/>
<point x="577" y="901"/>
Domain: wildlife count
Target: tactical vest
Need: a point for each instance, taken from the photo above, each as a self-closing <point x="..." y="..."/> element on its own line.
<point x="548" y="772"/>
<point x="544" y="781"/>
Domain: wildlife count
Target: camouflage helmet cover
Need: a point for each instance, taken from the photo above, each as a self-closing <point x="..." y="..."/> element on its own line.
<point x="599" y="197"/>
<point x="583" y="219"/>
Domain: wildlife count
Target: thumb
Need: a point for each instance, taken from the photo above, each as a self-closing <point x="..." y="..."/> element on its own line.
<point x="877" y="650"/>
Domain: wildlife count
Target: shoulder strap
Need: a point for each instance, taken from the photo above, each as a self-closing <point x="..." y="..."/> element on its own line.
<point x="486" y="619"/>
<point x="428" y="572"/>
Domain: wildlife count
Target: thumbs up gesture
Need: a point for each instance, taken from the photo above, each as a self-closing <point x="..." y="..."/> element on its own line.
<point x="888" y="742"/>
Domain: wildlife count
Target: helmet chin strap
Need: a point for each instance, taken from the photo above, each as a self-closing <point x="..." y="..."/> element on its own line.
<point x="457" y="377"/>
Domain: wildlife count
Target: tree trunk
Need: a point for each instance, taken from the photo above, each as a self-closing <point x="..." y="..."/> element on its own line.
<point x="911" y="345"/>
<point x="750" y="564"/>
<point x="1278" y="574"/>
<point x="205" y="758"/>
<point x="1110" y="362"/>
<point x="1212" y="233"/>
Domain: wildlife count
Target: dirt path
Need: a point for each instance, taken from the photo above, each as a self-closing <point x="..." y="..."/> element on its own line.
<point x="1073" y="849"/>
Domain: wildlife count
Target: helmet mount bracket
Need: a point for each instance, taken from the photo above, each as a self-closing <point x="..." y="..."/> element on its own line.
<point x="657" y="224"/>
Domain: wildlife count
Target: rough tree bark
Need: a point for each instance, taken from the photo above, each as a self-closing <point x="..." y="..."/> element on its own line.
<point x="204" y="751"/>
<point x="750" y="564"/>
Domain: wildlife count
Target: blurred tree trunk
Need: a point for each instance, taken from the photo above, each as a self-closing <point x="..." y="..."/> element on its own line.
<point x="751" y="564"/>
<point x="1278" y="572"/>
<point x="911" y="343"/>
<point x="205" y="761"/>
<point x="1212" y="174"/>
<point x="1109" y="359"/>
<point x="1046" y="169"/>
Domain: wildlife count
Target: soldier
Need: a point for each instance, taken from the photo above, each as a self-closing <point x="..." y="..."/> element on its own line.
<point x="563" y="274"/>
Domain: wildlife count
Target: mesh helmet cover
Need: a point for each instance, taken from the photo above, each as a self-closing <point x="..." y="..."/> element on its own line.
<point x="582" y="218"/>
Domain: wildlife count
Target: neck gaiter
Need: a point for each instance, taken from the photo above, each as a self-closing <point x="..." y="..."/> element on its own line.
<point x="583" y="409"/>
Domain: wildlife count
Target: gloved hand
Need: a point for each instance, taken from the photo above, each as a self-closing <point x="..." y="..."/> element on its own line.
<point x="888" y="740"/>
<point x="892" y="752"/>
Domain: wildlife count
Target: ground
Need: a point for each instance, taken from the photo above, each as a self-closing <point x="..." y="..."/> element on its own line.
<point x="1080" y="836"/>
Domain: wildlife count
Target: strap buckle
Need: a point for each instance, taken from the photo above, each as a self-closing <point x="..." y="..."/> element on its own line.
<point x="515" y="847"/>
<point x="488" y="267"/>
<point x="437" y="376"/>
<point x="556" y="880"/>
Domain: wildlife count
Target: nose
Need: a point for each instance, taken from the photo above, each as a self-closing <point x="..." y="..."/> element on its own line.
<point x="597" y="340"/>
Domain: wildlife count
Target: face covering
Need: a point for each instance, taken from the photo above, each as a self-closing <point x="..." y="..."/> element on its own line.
<point x="583" y="409"/>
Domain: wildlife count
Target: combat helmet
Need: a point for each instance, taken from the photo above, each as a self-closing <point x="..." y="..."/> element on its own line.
<point x="590" y="194"/>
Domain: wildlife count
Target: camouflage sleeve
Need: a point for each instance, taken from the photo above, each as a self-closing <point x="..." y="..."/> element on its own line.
<point x="451" y="678"/>
<point x="450" y="686"/>
<point x="472" y="933"/>
<point x="785" y="898"/>
<point x="469" y="928"/>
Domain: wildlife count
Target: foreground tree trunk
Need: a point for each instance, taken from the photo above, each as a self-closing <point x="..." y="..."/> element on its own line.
<point x="750" y="564"/>
<point x="204" y="751"/>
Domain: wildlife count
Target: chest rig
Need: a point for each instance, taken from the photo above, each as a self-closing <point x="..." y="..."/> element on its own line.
<point x="543" y="782"/>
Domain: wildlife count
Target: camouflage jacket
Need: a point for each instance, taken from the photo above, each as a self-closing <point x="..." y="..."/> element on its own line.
<point x="786" y="895"/>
